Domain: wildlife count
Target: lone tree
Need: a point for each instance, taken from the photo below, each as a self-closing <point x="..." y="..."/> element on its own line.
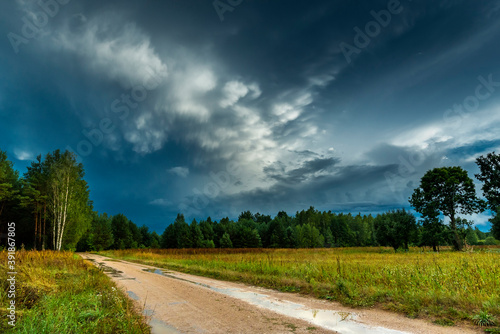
<point x="448" y="191"/>
<point x="489" y="167"/>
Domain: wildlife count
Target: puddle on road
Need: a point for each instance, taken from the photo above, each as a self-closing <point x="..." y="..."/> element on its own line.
<point x="108" y="270"/>
<point x="342" y="322"/>
<point x="177" y="303"/>
<point x="159" y="327"/>
<point x="167" y="274"/>
<point x="156" y="271"/>
<point x="148" y="313"/>
<point x="132" y="295"/>
<point x="113" y="272"/>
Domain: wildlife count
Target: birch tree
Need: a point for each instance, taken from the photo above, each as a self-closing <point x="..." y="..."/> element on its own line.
<point x="67" y="195"/>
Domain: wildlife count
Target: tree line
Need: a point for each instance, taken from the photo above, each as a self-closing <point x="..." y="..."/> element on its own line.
<point x="51" y="207"/>
<point x="49" y="204"/>
<point x="311" y="229"/>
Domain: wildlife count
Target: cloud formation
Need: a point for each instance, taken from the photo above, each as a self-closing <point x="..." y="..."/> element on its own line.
<point x="187" y="97"/>
<point x="179" y="171"/>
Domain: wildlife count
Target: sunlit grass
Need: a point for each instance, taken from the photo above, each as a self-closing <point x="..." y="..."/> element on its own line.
<point x="58" y="292"/>
<point x="446" y="286"/>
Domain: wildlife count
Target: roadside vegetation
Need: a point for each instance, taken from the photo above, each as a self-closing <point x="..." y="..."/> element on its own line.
<point x="58" y="292"/>
<point x="447" y="287"/>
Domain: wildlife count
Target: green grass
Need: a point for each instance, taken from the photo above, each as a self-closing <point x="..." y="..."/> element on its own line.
<point x="484" y="319"/>
<point x="447" y="287"/>
<point x="58" y="292"/>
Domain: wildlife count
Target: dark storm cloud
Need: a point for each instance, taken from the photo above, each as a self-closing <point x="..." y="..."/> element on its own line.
<point x="298" y="175"/>
<point x="268" y="88"/>
<point x="348" y="188"/>
<point x="472" y="150"/>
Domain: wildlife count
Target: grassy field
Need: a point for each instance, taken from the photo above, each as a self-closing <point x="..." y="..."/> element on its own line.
<point x="446" y="287"/>
<point x="58" y="292"/>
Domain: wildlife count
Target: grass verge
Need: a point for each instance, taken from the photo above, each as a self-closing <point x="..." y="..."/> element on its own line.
<point x="58" y="292"/>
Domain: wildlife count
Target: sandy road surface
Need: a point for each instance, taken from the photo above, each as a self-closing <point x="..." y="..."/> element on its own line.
<point x="182" y="303"/>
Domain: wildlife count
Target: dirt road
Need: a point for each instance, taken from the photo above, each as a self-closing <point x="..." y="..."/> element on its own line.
<point x="182" y="303"/>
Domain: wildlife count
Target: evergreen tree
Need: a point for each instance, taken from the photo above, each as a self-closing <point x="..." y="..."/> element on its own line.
<point x="300" y="235"/>
<point x="264" y="233"/>
<point x="145" y="237"/>
<point x="259" y="219"/>
<point x="317" y="240"/>
<point x="219" y="230"/>
<point x="34" y="197"/>
<point x="207" y="230"/>
<point x="169" y="238"/>
<point x="225" y="241"/>
<point x="182" y="232"/>
<point x="208" y="244"/>
<point x="31" y="201"/>
<point x="277" y="234"/>
<point x="122" y="236"/>
<point x="196" y="235"/>
<point x="308" y="236"/>
<point x="155" y="240"/>
<point x="136" y="235"/>
<point x="9" y="186"/>
<point x="291" y="237"/>
<point x="102" y="232"/>
<point x="328" y="237"/>
<point x="253" y="239"/>
<point x="360" y="231"/>
<point x="246" y="215"/>
<point x="341" y="232"/>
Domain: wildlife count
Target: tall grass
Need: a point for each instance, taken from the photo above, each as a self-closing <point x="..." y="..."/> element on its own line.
<point x="442" y="286"/>
<point x="58" y="292"/>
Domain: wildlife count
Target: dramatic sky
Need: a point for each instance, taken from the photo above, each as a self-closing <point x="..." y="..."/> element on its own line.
<point x="183" y="106"/>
